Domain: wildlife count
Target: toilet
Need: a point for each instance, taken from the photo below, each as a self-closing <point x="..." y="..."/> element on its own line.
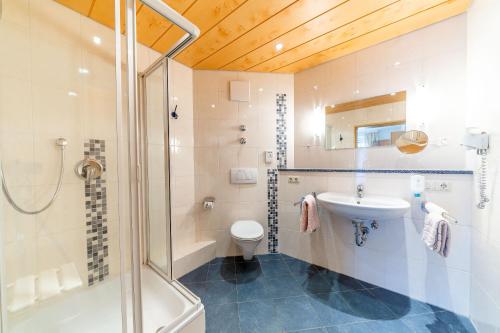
<point x="247" y="234"/>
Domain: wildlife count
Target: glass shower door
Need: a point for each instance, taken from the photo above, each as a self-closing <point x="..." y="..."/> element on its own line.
<point x="156" y="160"/>
<point x="64" y="267"/>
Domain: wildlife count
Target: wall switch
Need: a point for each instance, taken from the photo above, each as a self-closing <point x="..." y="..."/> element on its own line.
<point x="293" y="180"/>
<point x="268" y="156"/>
<point x="438" y="186"/>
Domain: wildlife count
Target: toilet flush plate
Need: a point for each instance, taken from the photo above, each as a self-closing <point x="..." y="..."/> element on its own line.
<point x="243" y="176"/>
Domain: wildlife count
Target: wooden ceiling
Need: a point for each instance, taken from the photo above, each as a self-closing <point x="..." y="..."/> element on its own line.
<point x="242" y="35"/>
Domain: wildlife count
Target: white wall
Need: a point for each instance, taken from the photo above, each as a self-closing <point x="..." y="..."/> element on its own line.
<point x="394" y="256"/>
<point x="484" y="112"/>
<point x="434" y="56"/>
<point x="217" y="150"/>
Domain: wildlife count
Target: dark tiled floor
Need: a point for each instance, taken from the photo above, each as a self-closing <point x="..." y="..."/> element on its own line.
<point x="277" y="293"/>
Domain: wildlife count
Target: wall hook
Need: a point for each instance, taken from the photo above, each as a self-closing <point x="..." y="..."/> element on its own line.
<point x="174" y="113"/>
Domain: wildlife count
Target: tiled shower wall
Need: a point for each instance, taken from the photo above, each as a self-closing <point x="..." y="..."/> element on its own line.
<point x="43" y="46"/>
<point x="217" y="150"/>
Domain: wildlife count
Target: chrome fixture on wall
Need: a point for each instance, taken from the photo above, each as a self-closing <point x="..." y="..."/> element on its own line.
<point x="89" y="168"/>
<point x="480" y="142"/>
<point x="61" y="143"/>
<point x="243" y="140"/>
<point x="360" y="191"/>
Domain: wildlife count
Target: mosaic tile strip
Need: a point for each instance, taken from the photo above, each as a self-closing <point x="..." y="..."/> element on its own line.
<point x="437" y="172"/>
<point x="281" y="130"/>
<point x="272" y="210"/>
<point x="96" y="216"/>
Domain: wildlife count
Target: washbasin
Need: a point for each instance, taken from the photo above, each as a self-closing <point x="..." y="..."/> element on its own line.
<point x="367" y="208"/>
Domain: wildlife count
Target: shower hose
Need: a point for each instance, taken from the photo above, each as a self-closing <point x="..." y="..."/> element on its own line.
<point x="61" y="143"/>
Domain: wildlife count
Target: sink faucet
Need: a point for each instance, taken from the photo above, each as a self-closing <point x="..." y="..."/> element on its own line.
<point x="360" y="190"/>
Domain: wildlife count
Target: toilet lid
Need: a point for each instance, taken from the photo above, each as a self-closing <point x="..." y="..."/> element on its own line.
<point x="247" y="229"/>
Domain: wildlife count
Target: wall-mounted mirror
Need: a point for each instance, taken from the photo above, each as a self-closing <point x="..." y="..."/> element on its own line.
<point x="370" y="122"/>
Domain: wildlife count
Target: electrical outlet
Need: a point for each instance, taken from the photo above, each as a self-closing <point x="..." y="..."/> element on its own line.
<point x="293" y="180"/>
<point x="437" y="186"/>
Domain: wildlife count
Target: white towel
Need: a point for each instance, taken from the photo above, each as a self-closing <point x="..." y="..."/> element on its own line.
<point x="436" y="233"/>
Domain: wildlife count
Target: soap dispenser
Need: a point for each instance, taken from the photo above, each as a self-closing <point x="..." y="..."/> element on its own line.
<point x="417" y="187"/>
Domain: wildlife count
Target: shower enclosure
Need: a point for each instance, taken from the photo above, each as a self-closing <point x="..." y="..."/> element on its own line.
<point x="73" y="228"/>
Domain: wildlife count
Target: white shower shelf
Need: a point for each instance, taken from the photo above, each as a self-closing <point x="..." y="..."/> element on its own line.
<point x="49" y="283"/>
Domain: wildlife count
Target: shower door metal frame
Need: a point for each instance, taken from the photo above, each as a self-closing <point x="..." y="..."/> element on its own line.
<point x="145" y="163"/>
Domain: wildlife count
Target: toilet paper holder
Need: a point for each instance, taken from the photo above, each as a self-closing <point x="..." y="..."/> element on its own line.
<point x="209" y="202"/>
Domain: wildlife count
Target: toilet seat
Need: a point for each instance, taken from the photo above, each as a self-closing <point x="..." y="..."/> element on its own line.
<point x="247" y="230"/>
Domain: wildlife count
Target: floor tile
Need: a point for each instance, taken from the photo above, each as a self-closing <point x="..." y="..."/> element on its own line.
<point x="221" y="271"/>
<point x="314" y="282"/>
<point x="198" y="275"/>
<point x="300" y="268"/>
<point x="249" y="270"/>
<point x="366" y="306"/>
<point x="313" y="330"/>
<point x="296" y="313"/>
<point x="275" y="269"/>
<point x="277" y="293"/>
<point x="269" y="257"/>
<point x="222" y="318"/>
<point x="252" y="289"/>
<point x="277" y="315"/>
<point x="341" y="282"/>
<point x="400" y="305"/>
<point x="285" y="286"/>
<point x="439" y="322"/>
<point x="392" y="326"/>
<point x="332" y="309"/>
<point x="214" y="292"/>
<point x="222" y="260"/>
<point x="287" y="257"/>
<point x="259" y="316"/>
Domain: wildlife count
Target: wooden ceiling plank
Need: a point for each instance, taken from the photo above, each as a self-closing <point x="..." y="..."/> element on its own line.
<point x="331" y="20"/>
<point x="247" y="16"/>
<point x="151" y="25"/>
<point x="385" y="16"/>
<point x="420" y="20"/>
<point x="81" y="6"/>
<point x="297" y="14"/>
<point x="399" y="96"/>
<point x="205" y="14"/>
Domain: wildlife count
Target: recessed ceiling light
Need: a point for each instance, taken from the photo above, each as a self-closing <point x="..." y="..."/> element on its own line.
<point x="261" y="89"/>
<point x="315" y="87"/>
<point x="279" y="46"/>
<point x="97" y="40"/>
<point x="212" y="106"/>
<point x="82" y="70"/>
<point x="397" y="63"/>
<point x="72" y="94"/>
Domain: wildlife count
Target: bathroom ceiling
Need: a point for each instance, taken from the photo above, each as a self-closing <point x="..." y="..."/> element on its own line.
<point x="284" y="36"/>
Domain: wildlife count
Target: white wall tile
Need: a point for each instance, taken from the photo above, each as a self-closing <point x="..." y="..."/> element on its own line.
<point x="218" y="148"/>
<point x="434" y="56"/>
